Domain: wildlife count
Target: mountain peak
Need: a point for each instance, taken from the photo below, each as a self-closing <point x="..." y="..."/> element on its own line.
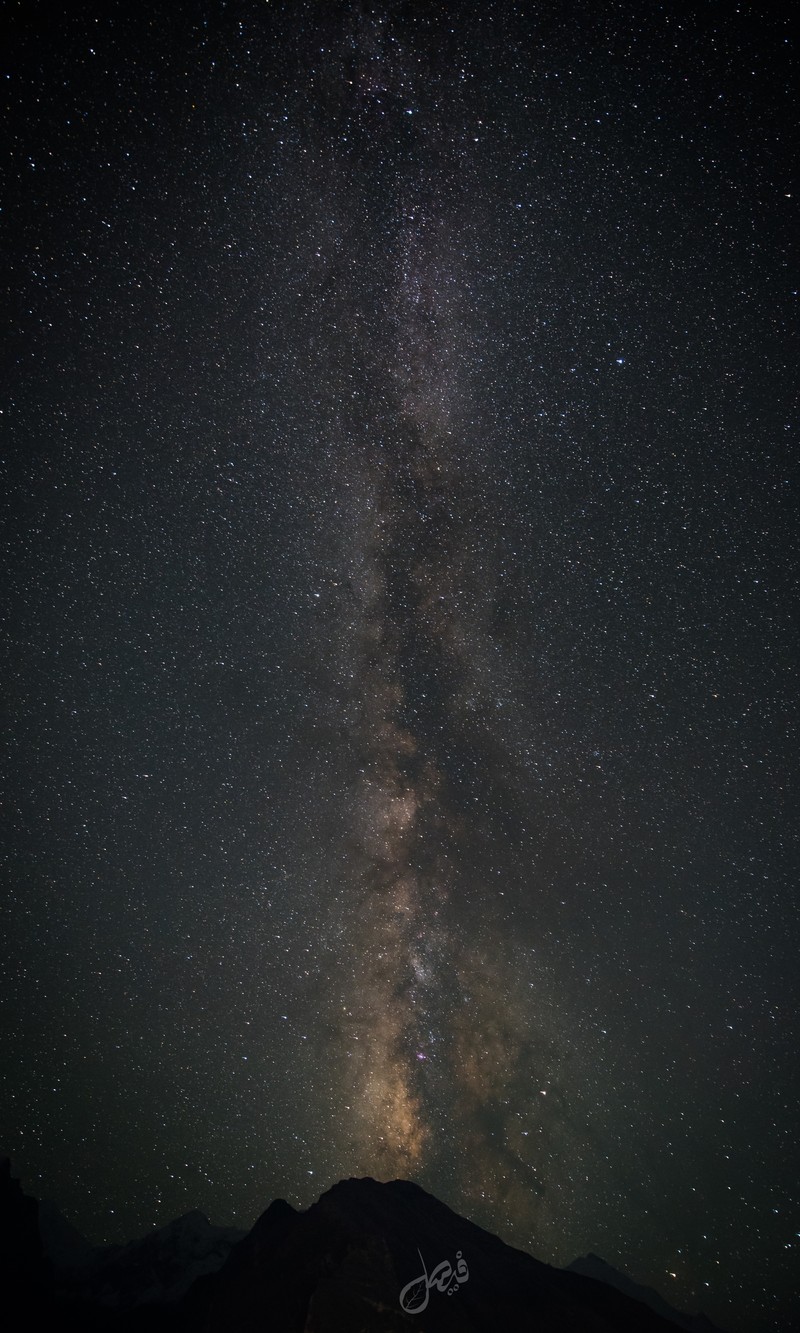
<point x="351" y="1259"/>
<point x="368" y="1255"/>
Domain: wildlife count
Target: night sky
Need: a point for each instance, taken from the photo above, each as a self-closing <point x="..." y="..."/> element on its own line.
<point x="399" y="473"/>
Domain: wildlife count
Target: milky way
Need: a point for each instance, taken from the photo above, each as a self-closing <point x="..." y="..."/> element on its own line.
<point x="419" y="1043"/>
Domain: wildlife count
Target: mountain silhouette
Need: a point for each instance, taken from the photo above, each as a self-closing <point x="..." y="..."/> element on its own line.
<point x="590" y="1265"/>
<point x="340" y="1267"/>
<point x="367" y="1257"/>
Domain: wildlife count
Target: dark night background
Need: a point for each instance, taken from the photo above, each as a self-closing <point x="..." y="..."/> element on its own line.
<point x="400" y="439"/>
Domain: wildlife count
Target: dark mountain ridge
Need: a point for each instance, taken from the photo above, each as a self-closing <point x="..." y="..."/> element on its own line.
<point x="368" y="1257"/>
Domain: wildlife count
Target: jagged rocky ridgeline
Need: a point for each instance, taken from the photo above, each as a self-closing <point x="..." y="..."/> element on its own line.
<point x="366" y="1258"/>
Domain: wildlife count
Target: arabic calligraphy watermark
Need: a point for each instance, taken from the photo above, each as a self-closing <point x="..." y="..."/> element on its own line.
<point x="415" y="1294"/>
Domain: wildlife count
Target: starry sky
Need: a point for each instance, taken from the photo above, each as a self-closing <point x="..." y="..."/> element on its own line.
<point x="399" y="475"/>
